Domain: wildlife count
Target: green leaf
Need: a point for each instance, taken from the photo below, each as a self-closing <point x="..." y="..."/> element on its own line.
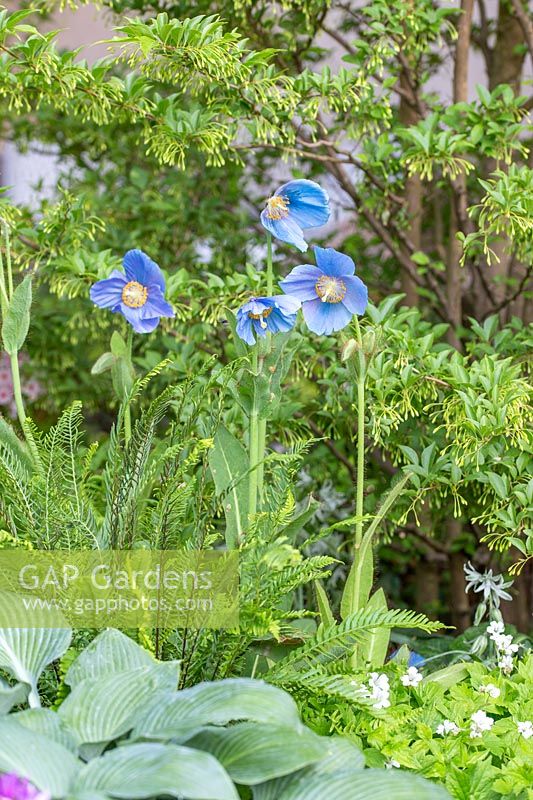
<point x="111" y="651"/>
<point x="103" y="709"/>
<point x="153" y="770"/>
<point x="25" y="652"/>
<point x="324" y="608"/>
<point x="368" y="784"/>
<point x="169" y="716"/>
<point x="253" y="754"/>
<point x="228" y="462"/>
<point x="373" y="649"/>
<point x="338" y="754"/>
<point x="103" y="364"/>
<point x="361" y="577"/>
<point x="448" y="676"/>
<point x="47" y="723"/>
<point x="11" y="696"/>
<point x="17" y="320"/>
<point x="47" y="764"/>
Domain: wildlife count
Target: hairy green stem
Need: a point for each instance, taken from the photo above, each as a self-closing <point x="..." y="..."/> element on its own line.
<point x="265" y="349"/>
<point x="127" y="409"/>
<point x="15" y="377"/>
<point x="253" y="443"/>
<point x="359" y="497"/>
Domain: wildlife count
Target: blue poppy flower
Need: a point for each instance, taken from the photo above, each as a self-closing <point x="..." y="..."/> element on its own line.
<point x="261" y="314"/>
<point x="415" y="659"/>
<point x="139" y="294"/>
<point x="330" y="292"/>
<point x="295" y="206"/>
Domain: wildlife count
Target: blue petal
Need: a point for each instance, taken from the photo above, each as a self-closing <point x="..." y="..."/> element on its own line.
<point x="244" y="326"/>
<point x="286" y="303"/>
<point x="356" y="297"/>
<point x="308" y="203"/>
<point x="135" y="318"/>
<point x="156" y="305"/>
<point x="108" y="292"/>
<point x="140" y="267"/>
<point x="286" y="229"/>
<point x="301" y="282"/>
<point x="280" y="323"/>
<point x="259" y="330"/>
<point x="332" y="262"/>
<point x="325" y="318"/>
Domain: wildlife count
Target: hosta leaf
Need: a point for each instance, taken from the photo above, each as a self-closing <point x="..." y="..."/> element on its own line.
<point x="339" y="754"/>
<point x="367" y="784"/>
<point x="151" y="770"/>
<point x="170" y="715"/>
<point x="25" y="652"/>
<point x="47" y="723"/>
<point x="100" y="710"/>
<point x="44" y="762"/>
<point x="11" y="696"/>
<point x="253" y="754"/>
<point x="111" y="651"/>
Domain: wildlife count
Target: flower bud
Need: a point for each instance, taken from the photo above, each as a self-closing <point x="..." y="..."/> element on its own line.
<point x="349" y="348"/>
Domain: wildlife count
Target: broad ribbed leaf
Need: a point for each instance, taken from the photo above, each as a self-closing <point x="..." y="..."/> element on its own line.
<point x="100" y="710"/>
<point x="49" y="724"/>
<point x="171" y="715"/>
<point x="11" y="696"/>
<point x="256" y="753"/>
<point x="151" y="770"/>
<point x="44" y="762"/>
<point x="25" y="652"/>
<point x="112" y="651"/>
<point x="228" y="462"/>
<point x="339" y="754"/>
<point x="367" y="784"/>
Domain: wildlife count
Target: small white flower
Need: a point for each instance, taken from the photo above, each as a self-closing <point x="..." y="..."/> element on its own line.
<point x="480" y="722"/>
<point x="379" y="690"/>
<point x="392" y="764"/>
<point x="506" y="664"/>
<point x="504" y="643"/>
<point x="492" y="586"/>
<point x="491" y="690"/>
<point x="525" y="729"/>
<point x="447" y="727"/>
<point x="412" y="677"/>
<point x="495" y="628"/>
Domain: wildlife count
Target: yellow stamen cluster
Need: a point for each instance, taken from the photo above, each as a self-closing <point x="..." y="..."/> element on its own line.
<point x="330" y="290"/>
<point x="262" y="316"/>
<point x="134" y="295"/>
<point x="277" y="207"/>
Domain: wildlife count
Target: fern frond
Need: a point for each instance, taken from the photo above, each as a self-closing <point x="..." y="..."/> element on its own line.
<point x="335" y="642"/>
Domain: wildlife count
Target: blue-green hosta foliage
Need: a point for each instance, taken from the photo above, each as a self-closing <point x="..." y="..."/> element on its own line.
<point x="492" y="766"/>
<point x="216" y="741"/>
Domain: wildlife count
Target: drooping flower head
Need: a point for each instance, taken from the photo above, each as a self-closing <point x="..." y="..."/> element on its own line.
<point x="13" y="787"/>
<point x="330" y="292"/>
<point x="262" y="314"/>
<point x="293" y="207"/>
<point x="138" y="293"/>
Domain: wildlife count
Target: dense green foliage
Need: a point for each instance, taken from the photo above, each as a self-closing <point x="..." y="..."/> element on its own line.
<point x="354" y="473"/>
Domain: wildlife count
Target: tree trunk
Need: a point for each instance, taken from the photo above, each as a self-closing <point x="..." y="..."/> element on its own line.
<point x="458" y="216"/>
<point x="506" y="67"/>
<point x="459" y="602"/>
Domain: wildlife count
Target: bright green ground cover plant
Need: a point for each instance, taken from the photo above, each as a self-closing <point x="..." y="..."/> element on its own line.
<point x="123" y="731"/>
